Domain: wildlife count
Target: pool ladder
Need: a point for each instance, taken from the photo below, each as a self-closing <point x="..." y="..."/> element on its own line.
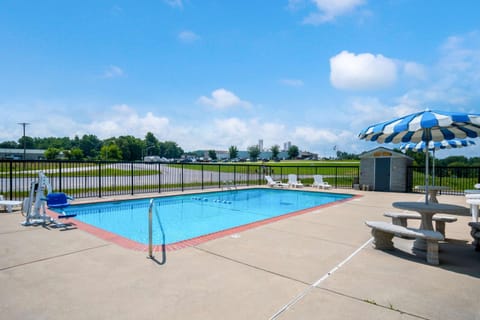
<point x="150" y="235"/>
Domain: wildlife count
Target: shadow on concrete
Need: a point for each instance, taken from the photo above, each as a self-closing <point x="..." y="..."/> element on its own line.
<point x="455" y="255"/>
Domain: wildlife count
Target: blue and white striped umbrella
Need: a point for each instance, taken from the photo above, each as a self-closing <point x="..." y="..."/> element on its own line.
<point x="437" y="145"/>
<point x="424" y="126"/>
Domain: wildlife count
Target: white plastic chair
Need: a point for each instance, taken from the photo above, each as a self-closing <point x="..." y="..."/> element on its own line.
<point x="272" y="183"/>
<point x="293" y="182"/>
<point x="319" y="183"/>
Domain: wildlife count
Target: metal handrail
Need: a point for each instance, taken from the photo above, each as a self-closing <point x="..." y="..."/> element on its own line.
<point x="150" y="235"/>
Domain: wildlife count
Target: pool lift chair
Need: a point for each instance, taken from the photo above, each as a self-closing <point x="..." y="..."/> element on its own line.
<point x="34" y="207"/>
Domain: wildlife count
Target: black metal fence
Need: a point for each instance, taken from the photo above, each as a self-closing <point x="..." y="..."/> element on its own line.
<point x="457" y="179"/>
<point x="100" y="178"/>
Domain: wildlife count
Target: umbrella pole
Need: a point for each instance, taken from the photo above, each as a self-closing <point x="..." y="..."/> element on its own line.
<point x="426" y="176"/>
<point x="433" y="167"/>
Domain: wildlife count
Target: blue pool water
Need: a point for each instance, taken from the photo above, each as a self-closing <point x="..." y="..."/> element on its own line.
<point x="178" y="218"/>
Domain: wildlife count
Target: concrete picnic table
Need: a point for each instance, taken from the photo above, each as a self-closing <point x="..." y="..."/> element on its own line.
<point x="427" y="210"/>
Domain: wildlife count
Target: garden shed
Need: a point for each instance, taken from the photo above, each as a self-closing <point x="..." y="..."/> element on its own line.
<point x="382" y="169"/>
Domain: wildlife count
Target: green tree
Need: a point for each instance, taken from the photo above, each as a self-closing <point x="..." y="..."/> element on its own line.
<point x="293" y="152"/>
<point x="275" y="151"/>
<point x="52" y="153"/>
<point x="254" y="152"/>
<point x="29" y="142"/>
<point x="346" y="156"/>
<point x="90" y="145"/>
<point x="9" y="145"/>
<point x="75" y="154"/>
<point x="152" y="146"/>
<point x="130" y="147"/>
<point x="54" y="142"/>
<point x="110" y="152"/>
<point x="233" y="152"/>
<point x="172" y="150"/>
<point x="212" y="154"/>
<point x="418" y="157"/>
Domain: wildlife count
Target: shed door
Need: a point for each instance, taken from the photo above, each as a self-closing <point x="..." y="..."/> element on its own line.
<point x="382" y="174"/>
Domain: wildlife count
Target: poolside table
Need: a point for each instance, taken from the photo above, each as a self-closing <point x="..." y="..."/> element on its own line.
<point x="432" y="191"/>
<point x="427" y="211"/>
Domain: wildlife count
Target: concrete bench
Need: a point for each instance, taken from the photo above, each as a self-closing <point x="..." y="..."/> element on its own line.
<point x="383" y="232"/>
<point x="400" y="218"/>
<point x="475" y="232"/>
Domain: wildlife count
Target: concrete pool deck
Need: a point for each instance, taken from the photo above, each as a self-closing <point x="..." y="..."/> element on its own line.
<point x="278" y="270"/>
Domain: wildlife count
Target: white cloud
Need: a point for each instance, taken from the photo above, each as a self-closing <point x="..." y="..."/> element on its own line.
<point x="113" y="72"/>
<point x="222" y="99"/>
<point x="461" y="55"/>
<point x="124" y="120"/>
<point x="292" y="82"/>
<point x="188" y="36"/>
<point x="364" y="71"/>
<point x="455" y="78"/>
<point x="311" y="135"/>
<point x="244" y="133"/>
<point x="328" y="10"/>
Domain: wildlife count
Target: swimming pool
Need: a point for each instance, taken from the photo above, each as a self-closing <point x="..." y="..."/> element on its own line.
<point x="183" y="217"/>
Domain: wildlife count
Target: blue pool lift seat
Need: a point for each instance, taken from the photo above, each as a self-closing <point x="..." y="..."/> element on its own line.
<point x="59" y="200"/>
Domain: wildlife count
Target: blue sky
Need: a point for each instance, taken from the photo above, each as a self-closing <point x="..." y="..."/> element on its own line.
<point x="211" y="74"/>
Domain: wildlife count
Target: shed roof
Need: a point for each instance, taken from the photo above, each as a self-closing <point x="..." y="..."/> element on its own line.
<point x="383" y="152"/>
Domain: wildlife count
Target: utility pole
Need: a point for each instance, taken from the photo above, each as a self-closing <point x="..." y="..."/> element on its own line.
<point x="24" y="124"/>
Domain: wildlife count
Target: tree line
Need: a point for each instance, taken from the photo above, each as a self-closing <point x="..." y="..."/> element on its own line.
<point x="90" y="147"/>
<point x="451" y="161"/>
<point x="130" y="148"/>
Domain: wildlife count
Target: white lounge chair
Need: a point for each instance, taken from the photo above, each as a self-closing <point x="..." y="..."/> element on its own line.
<point x="293" y="182"/>
<point x="272" y="183"/>
<point x="319" y="183"/>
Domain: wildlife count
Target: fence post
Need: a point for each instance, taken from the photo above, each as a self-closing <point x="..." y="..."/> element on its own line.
<point x="99" y="179"/>
<point x="336" y="177"/>
<point x="219" y="182"/>
<point x="203" y="186"/>
<point x="234" y="174"/>
<point x="133" y="178"/>
<point x="248" y="175"/>
<point x="182" y="177"/>
<point x="60" y="176"/>
<point x="159" y="177"/>
<point x="11" y="179"/>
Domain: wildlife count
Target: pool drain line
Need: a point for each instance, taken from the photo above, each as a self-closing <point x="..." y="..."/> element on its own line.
<point x="314" y="285"/>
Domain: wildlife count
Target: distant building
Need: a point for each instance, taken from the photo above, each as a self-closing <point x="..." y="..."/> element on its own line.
<point x="17" y="154"/>
<point x="287" y="145"/>
<point x="305" y="155"/>
<point x="260" y="145"/>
